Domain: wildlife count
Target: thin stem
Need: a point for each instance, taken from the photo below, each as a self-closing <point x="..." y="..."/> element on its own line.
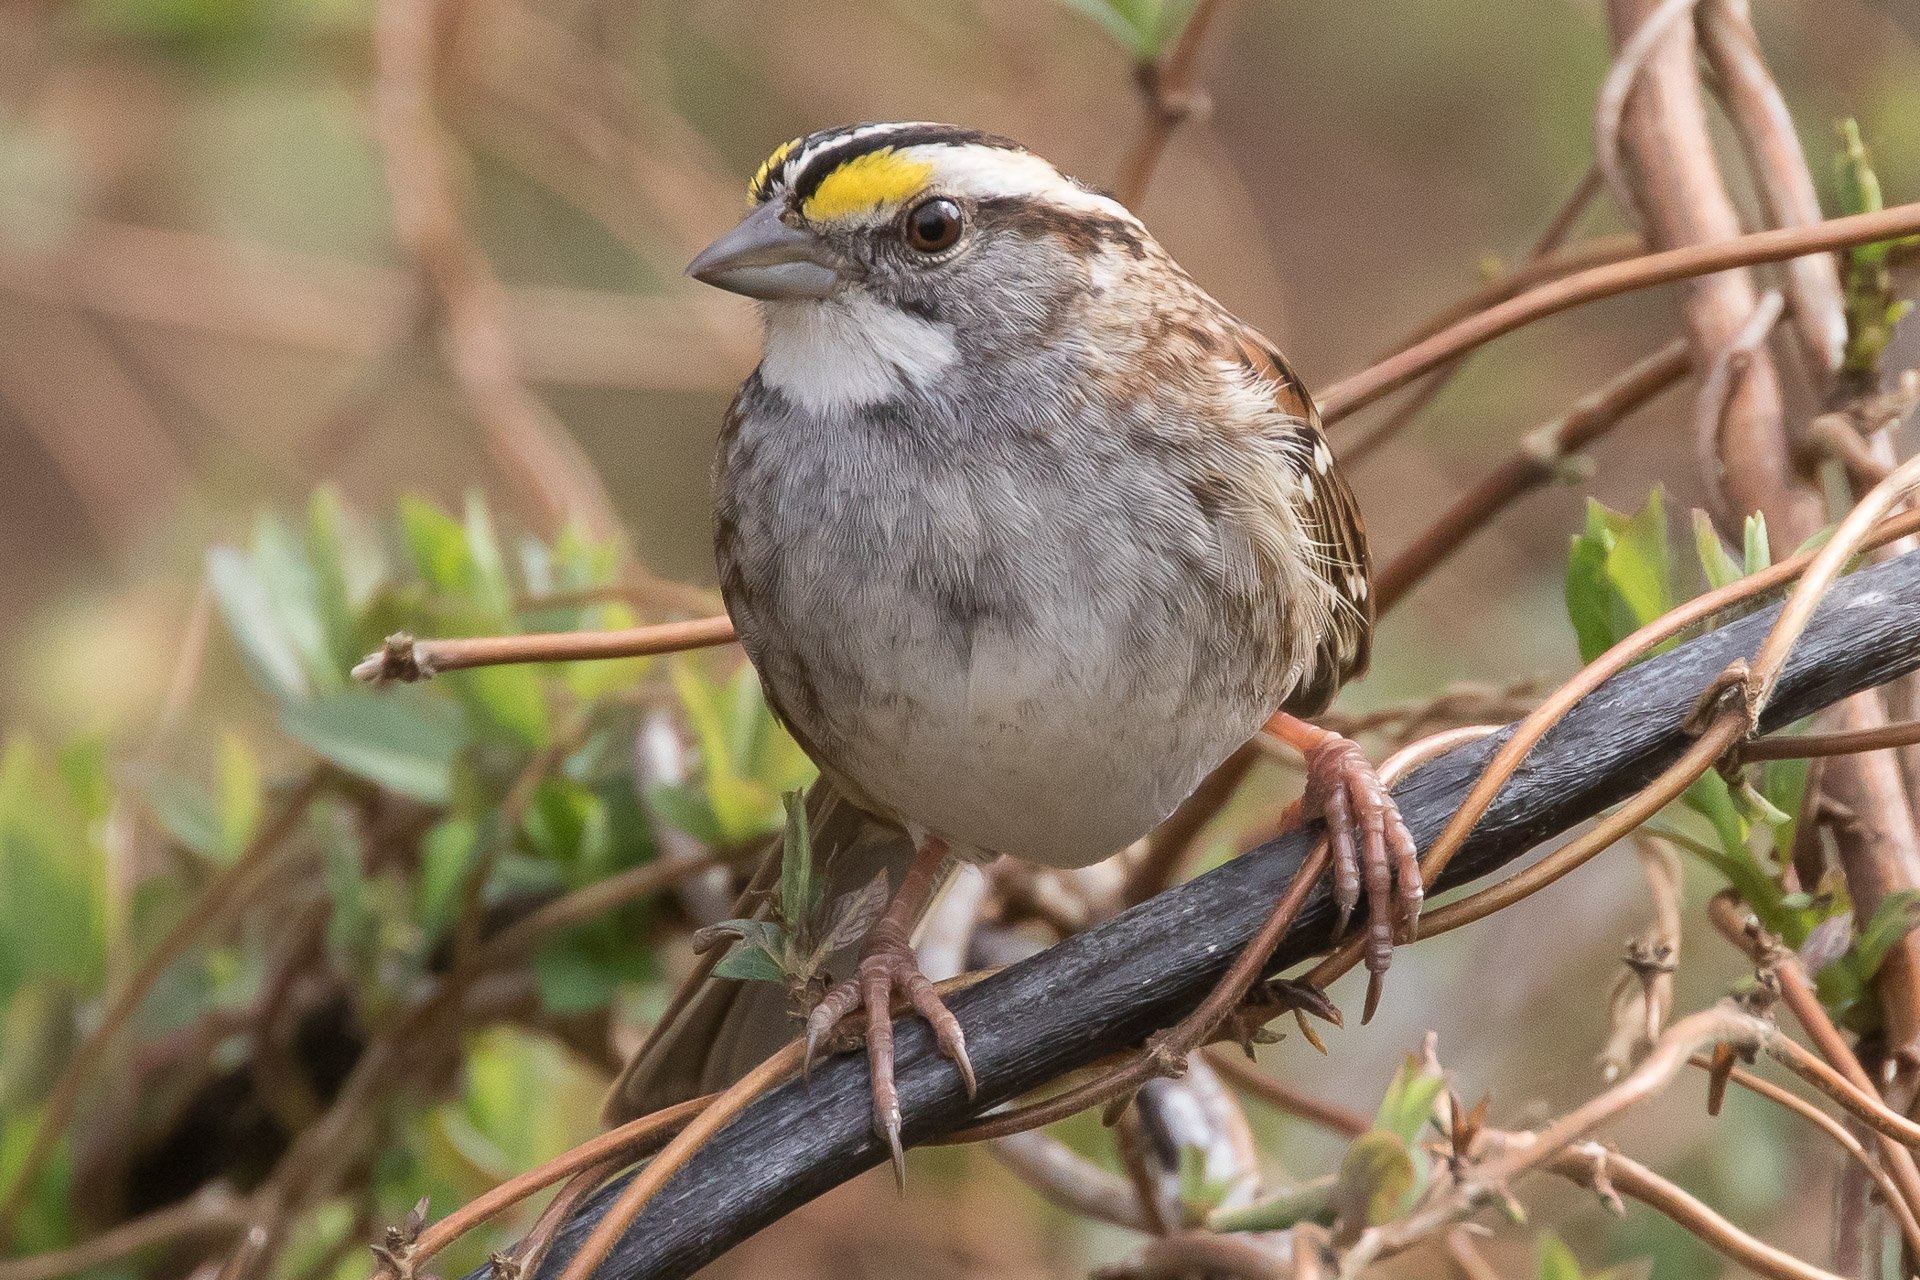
<point x="1167" y="86"/>
<point x="214" y="1210"/>
<point x="1610" y="281"/>
<point x="225" y="894"/>
<point x="1538" y="461"/>
<point x="1247" y="1077"/>
<point x="634" y="1196"/>
<point x="1067" y="1180"/>
<point x="1595" y="1166"/>
<point x="1901" y="733"/>
<point x="631" y="1140"/>
<point x="406" y="659"/>
<point x="1896" y="1202"/>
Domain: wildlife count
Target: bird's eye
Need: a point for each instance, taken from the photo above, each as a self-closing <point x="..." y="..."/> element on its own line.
<point x="933" y="225"/>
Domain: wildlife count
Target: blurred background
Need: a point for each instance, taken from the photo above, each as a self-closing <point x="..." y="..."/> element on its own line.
<point x="210" y="306"/>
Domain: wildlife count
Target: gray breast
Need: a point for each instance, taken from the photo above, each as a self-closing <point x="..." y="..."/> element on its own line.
<point x="1019" y="634"/>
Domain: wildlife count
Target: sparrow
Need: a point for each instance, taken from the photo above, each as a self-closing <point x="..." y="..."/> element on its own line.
<point x="1025" y="534"/>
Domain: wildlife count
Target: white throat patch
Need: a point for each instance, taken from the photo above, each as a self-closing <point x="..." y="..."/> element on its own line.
<point x="849" y="351"/>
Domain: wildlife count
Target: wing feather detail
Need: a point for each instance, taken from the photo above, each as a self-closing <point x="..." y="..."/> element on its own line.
<point x="1329" y="517"/>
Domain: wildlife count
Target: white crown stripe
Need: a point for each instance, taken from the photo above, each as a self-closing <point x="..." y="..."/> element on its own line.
<point x="979" y="170"/>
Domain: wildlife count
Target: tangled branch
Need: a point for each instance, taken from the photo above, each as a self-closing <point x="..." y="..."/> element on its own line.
<point x="1145" y="968"/>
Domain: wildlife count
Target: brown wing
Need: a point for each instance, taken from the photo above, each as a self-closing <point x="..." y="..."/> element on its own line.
<point x="1331" y="518"/>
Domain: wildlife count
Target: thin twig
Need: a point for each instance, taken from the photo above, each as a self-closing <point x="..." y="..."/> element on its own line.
<point x="212" y="1211"/>
<point x="634" y="1196"/>
<point x="1066" y="1179"/>
<point x="1604" y="1170"/>
<point x="1166" y="86"/>
<point x="1760" y="119"/>
<point x="1797" y="992"/>
<point x="216" y="903"/>
<point x="1540" y="459"/>
<point x="1763" y="670"/>
<point x="406" y="659"/>
<point x="631" y="1140"/>
<point x="1833" y="1129"/>
<point x="1283" y="1097"/>
<point x="1610" y="281"/>
<point x="1610" y="104"/>
<point x="1901" y="733"/>
<point x="1488" y="1178"/>
<point x="1430" y="388"/>
<point x="526" y="440"/>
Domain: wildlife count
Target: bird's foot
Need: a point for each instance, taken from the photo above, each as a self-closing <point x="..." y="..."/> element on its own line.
<point x="1370" y="844"/>
<point x="888" y="966"/>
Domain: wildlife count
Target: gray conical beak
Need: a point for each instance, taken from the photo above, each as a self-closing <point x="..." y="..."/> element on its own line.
<point x="763" y="257"/>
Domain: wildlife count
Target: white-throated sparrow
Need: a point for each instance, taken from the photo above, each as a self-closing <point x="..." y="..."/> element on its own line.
<point x="1024" y="532"/>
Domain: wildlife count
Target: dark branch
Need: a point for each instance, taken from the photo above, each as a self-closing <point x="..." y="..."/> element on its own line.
<point x="1111" y="987"/>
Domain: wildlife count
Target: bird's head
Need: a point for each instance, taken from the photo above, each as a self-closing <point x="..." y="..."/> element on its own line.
<point x="903" y="246"/>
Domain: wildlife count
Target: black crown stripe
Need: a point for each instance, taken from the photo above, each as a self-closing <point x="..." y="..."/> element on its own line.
<point x="823" y="152"/>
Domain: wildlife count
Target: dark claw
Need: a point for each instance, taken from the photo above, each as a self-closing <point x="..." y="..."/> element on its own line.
<point x="1368" y="841"/>
<point x="889" y="967"/>
<point x="1338" y="815"/>
<point x="1304" y="997"/>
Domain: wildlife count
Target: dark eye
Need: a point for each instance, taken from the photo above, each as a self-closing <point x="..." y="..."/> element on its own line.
<point x="933" y="225"/>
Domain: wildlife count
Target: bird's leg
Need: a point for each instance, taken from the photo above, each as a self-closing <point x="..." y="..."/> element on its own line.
<point x="1367" y="838"/>
<point x="887" y="964"/>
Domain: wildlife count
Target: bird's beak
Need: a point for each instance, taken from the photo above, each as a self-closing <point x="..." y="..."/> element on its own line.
<point x="763" y="257"/>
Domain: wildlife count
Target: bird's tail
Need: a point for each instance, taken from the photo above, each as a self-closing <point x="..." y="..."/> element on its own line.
<point x="717" y="1029"/>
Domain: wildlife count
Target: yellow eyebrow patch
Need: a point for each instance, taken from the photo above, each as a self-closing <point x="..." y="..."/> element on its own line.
<point x="866" y="182"/>
<point x="757" y="187"/>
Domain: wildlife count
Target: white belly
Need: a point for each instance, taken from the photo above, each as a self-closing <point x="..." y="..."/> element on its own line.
<point x="1048" y="753"/>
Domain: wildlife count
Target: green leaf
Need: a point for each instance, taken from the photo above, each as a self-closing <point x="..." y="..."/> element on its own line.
<point x="403" y="739"/>
<point x="1709" y="797"/>
<point x="1618" y="574"/>
<point x="1639" y="563"/>
<point x="270" y="651"/>
<point x="683" y="806"/>
<point x="438" y="545"/>
<point x="507" y="701"/>
<point x="1117" y="20"/>
<point x="736" y="803"/>
<point x="1589" y="596"/>
<point x="242" y="794"/>
<point x="347" y="568"/>
<point x="489" y="587"/>
<point x="1894" y="917"/>
<point x="1873" y="309"/>
<point x="1144" y="28"/>
<point x="1715" y="560"/>
<point x="567" y="823"/>
<point x="592" y="681"/>
<point x="1556" y="1260"/>
<point x="1759" y="551"/>
<point x="1309" y="1202"/>
<point x="570" y="979"/>
<point x="1376" y="1180"/>
<point x="294" y="591"/>
<point x="85" y="767"/>
<point x="1201" y="1190"/>
<point x="53" y="878"/>
<point x="186" y="812"/>
<point x="446" y="851"/>
<point x="1409" y="1101"/>
<point x="799" y="886"/>
<point x="749" y="963"/>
